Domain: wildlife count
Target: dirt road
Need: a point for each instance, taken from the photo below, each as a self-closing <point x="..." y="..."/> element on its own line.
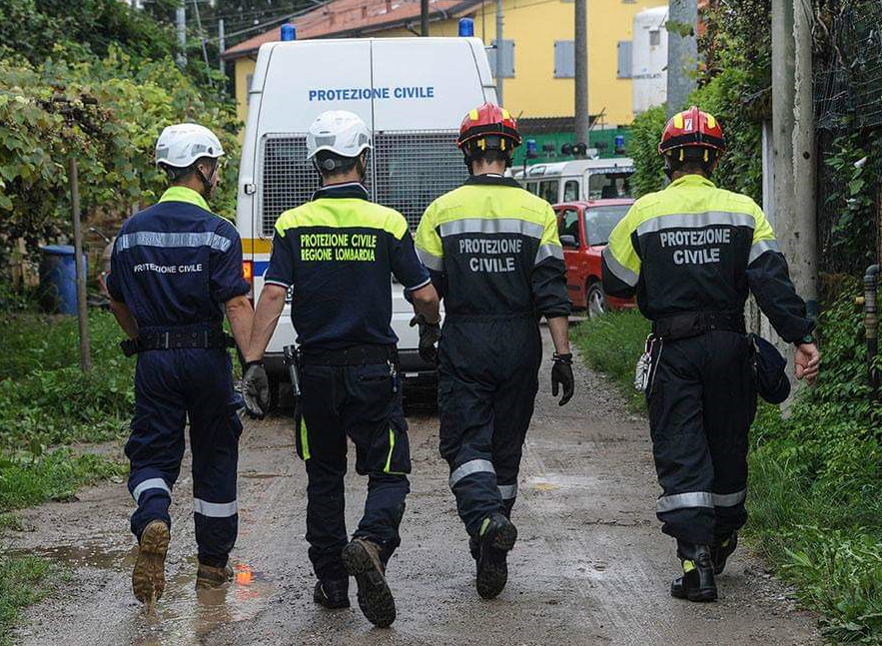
<point x="591" y="566"/>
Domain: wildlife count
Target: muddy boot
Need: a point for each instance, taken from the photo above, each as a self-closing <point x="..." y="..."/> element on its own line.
<point x="496" y="538"/>
<point x="362" y="560"/>
<point x="697" y="582"/>
<point x="208" y="576"/>
<point x="332" y="593"/>
<point x="722" y="550"/>
<point x="148" y="576"/>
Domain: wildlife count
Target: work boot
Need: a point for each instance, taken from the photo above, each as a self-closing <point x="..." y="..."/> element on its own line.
<point x="208" y="576"/>
<point x="495" y="539"/>
<point x="722" y="550"/>
<point x="148" y="576"/>
<point x="332" y="593"/>
<point x="362" y="560"/>
<point x="697" y="582"/>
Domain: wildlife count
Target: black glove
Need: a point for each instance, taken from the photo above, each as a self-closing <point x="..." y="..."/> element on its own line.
<point x="430" y="334"/>
<point x="255" y="390"/>
<point x="562" y="375"/>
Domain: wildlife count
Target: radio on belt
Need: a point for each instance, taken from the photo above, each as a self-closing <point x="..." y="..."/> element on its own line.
<point x="290" y="353"/>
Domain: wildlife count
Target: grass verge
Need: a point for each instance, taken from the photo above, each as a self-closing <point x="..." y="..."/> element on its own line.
<point x="612" y="344"/>
<point x="24" y="580"/>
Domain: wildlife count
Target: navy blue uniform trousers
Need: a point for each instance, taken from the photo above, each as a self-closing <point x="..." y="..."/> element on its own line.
<point x="488" y="380"/>
<point x="171" y="386"/>
<point x="702" y="401"/>
<point x="364" y="403"/>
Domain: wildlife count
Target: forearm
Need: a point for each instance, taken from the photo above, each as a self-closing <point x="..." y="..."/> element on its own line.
<point x="426" y="303"/>
<point x="266" y="316"/>
<point x="241" y="315"/>
<point x="124" y="318"/>
<point x="560" y="333"/>
<point x="769" y="280"/>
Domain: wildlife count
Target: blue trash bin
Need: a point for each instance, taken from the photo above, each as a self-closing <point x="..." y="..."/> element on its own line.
<point x="58" y="278"/>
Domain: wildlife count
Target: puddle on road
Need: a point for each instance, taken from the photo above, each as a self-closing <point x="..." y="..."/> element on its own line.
<point x="97" y="555"/>
<point x="184" y="615"/>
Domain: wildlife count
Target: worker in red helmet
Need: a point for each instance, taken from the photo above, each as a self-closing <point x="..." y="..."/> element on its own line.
<point x="493" y="252"/>
<point x="692" y="253"/>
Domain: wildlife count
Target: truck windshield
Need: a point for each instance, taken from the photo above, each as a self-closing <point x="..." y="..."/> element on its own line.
<point x="601" y="220"/>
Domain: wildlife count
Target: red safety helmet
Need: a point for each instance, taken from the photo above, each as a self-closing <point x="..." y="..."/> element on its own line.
<point x="692" y="129"/>
<point x="489" y="120"/>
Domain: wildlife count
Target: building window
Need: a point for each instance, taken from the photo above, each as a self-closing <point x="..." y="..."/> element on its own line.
<point x="624" y="51"/>
<point x="564" y="59"/>
<point x="508" y="70"/>
<point x="654" y="37"/>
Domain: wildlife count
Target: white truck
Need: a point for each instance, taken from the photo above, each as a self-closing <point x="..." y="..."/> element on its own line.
<point x="579" y="179"/>
<point x="412" y="92"/>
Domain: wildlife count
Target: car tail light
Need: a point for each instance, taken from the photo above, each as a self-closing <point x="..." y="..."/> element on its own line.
<point x="248" y="275"/>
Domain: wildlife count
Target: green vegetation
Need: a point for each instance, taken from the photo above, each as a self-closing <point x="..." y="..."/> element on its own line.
<point x="46" y="401"/>
<point x="816" y="477"/>
<point x="612" y="344"/>
<point x="23" y="580"/>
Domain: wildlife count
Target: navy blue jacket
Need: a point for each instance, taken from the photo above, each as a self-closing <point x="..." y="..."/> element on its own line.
<point x="175" y="263"/>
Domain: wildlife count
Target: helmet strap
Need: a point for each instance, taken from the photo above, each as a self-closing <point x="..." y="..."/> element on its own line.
<point x="206" y="182"/>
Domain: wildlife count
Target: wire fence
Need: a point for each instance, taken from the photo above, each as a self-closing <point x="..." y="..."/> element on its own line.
<point x="848" y="99"/>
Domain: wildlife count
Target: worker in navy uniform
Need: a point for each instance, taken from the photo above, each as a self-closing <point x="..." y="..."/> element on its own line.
<point x="176" y="269"/>
<point x="337" y="254"/>
<point x="495" y="257"/>
<point x="692" y="253"/>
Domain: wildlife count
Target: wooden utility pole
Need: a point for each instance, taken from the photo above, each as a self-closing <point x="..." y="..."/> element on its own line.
<point x="580" y="51"/>
<point x="682" y="53"/>
<point x="424" y="17"/>
<point x="221" y="47"/>
<point x="82" y="306"/>
<point x="181" y="27"/>
<point x="500" y="51"/>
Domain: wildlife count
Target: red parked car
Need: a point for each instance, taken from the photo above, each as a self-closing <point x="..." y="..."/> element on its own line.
<point x="584" y="229"/>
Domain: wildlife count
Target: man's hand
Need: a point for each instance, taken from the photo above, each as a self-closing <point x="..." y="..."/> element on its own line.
<point x="562" y="375"/>
<point x="808" y="362"/>
<point x="430" y="334"/>
<point x="255" y="390"/>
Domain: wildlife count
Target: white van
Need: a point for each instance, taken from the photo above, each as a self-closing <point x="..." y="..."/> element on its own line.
<point x="580" y="179"/>
<point x="412" y="92"/>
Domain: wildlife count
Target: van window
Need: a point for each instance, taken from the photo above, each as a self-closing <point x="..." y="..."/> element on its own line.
<point x="571" y="191"/>
<point x="569" y="224"/>
<point x="605" y="186"/>
<point x="548" y="190"/>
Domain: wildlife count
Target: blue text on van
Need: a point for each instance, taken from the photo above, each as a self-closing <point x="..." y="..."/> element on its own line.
<point x="362" y="94"/>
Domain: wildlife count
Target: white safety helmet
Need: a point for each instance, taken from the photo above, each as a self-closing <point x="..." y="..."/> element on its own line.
<point x="339" y="132"/>
<point x="180" y="145"/>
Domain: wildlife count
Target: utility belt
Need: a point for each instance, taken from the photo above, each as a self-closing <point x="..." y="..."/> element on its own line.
<point x="178" y="339"/>
<point x="506" y="316"/>
<point x="684" y="326"/>
<point x="357" y="355"/>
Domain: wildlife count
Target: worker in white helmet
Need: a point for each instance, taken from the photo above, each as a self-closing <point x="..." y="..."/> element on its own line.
<point x="336" y="254"/>
<point x="176" y="269"/>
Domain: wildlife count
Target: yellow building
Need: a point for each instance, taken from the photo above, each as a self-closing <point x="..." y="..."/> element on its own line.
<point x="538" y="35"/>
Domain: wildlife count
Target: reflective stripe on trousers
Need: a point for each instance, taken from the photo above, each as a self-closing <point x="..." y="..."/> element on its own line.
<point x="700" y="499"/>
